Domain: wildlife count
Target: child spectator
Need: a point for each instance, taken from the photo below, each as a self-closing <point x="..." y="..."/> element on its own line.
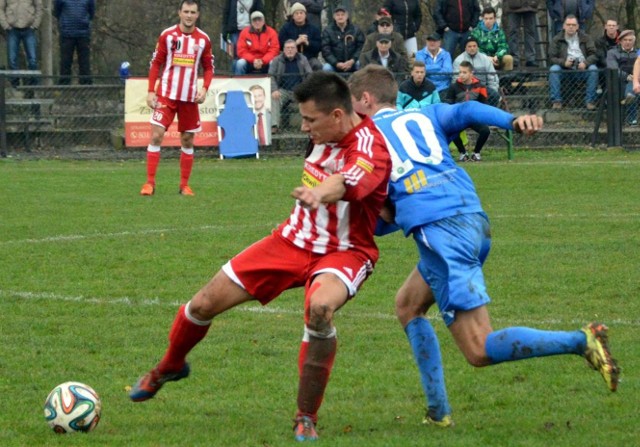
<point x="469" y="88"/>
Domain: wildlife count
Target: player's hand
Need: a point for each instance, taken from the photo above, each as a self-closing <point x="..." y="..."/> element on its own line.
<point x="201" y="96"/>
<point x="152" y="100"/>
<point x="527" y="124"/>
<point x="306" y="197"/>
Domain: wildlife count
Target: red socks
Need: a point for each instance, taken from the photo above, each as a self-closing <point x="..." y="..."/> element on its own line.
<point x="153" y="159"/>
<point x="184" y="335"/>
<point x="186" y="164"/>
<point x="314" y="374"/>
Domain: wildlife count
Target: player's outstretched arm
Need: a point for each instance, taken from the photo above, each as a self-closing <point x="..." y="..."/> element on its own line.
<point x="330" y="190"/>
<point x="527" y="124"/>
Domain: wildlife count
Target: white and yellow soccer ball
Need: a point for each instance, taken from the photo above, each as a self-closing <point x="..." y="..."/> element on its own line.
<point x="72" y="407"/>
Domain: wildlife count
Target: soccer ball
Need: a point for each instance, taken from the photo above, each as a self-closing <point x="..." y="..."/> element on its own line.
<point x="72" y="407"/>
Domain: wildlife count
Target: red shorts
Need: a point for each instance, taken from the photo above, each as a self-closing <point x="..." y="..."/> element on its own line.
<point x="272" y="265"/>
<point x="166" y="110"/>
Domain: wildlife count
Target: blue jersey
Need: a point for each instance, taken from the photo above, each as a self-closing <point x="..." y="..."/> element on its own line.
<point x="426" y="184"/>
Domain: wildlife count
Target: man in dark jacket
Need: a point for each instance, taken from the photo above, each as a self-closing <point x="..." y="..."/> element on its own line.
<point x="306" y="35"/>
<point x="342" y="43"/>
<point x="314" y="10"/>
<point x="407" y="18"/>
<point x="573" y="56"/>
<point x="455" y="19"/>
<point x="607" y="41"/>
<point x="236" y="17"/>
<point x="385" y="26"/>
<point x="522" y="13"/>
<point x="559" y="9"/>
<point x="623" y="57"/>
<point x="74" y="25"/>
<point x="385" y="56"/>
<point x="287" y="70"/>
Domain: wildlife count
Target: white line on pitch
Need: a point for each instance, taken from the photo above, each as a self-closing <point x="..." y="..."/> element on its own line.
<point x="128" y="301"/>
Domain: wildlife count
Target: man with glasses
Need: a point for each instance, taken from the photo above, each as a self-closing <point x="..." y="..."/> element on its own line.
<point x="573" y="55"/>
<point x="385" y="26"/>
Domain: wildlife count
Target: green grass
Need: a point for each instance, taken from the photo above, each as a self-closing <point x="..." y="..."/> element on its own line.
<point x="91" y="275"/>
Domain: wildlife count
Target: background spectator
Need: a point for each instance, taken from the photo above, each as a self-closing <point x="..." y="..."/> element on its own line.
<point x="573" y="54"/>
<point x="492" y="41"/>
<point x="560" y="9"/>
<point x="482" y="69"/>
<point x="382" y="12"/>
<point x="608" y="40"/>
<point x="20" y="19"/>
<point x="623" y="57"/>
<point x="469" y="88"/>
<point x="417" y="91"/>
<point x="74" y="26"/>
<point x="438" y="64"/>
<point x="287" y="70"/>
<point x="314" y="11"/>
<point x="257" y="45"/>
<point x="455" y="19"/>
<point x="385" y="26"/>
<point x="236" y="17"/>
<point x="407" y="18"/>
<point x="342" y="43"/>
<point x="385" y="56"/>
<point x="306" y="35"/>
<point x="522" y="13"/>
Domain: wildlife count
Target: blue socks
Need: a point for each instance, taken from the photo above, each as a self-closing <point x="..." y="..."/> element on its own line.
<point x="426" y="351"/>
<point x="517" y="343"/>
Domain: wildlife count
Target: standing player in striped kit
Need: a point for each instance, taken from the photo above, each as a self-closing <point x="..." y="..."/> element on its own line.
<point x="173" y="89"/>
<point x="326" y="246"/>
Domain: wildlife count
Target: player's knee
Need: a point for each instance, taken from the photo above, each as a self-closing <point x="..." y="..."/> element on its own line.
<point x="320" y="318"/>
<point x="409" y="307"/>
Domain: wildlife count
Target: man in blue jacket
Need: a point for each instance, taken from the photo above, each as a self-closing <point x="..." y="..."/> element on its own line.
<point x="438" y="64"/>
<point x="307" y="36"/>
<point x="74" y="24"/>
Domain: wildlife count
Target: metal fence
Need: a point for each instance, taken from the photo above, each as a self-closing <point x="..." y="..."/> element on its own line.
<point x="38" y="113"/>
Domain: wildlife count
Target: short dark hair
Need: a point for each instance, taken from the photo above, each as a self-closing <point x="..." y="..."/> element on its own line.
<point x="189" y="2"/>
<point x="375" y="80"/>
<point x="328" y="90"/>
<point x="418" y="64"/>
<point x="489" y="10"/>
<point x="467" y="64"/>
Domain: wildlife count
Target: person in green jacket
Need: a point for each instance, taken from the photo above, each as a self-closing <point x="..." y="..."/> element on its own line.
<point x="492" y="40"/>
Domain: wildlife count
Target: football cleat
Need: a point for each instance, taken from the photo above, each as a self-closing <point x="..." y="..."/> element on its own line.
<point x="150" y="383"/>
<point x="598" y="355"/>
<point x="463" y="157"/>
<point x="147" y="189"/>
<point x="186" y="191"/>
<point x="445" y="422"/>
<point x="305" y="429"/>
<point x="476" y="157"/>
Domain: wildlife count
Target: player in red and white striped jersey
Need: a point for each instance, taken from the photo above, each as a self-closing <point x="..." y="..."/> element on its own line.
<point x="173" y="77"/>
<point x="326" y="246"/>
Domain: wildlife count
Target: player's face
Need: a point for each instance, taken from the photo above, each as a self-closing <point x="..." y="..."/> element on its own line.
<point x="188" y="15"/>
<point x="489" y="20"/>
<point x="321" y="127"/>
<point x="418" y="74"/>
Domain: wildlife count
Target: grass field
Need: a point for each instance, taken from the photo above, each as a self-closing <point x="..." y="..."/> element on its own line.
<point x="91" y="275"/>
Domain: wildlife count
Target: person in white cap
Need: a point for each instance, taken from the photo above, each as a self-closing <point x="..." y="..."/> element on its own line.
<point x="257" y="46"/>
<point x="236" y="17"/>
<point x="314" y="10"/>
<point x="306" y="35"/>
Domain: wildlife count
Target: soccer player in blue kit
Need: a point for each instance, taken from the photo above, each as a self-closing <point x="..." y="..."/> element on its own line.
<point x="435" y="201"/>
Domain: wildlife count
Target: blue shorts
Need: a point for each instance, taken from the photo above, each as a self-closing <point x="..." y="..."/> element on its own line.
<point x="452" y="252"/>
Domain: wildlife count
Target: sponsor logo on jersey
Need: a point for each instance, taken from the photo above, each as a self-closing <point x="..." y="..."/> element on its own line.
<point x="184" y="60"/>
<point x="365" y="164"/>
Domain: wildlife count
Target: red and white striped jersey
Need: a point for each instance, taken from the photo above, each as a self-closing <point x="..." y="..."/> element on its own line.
<point x="179" y="56"/>
<point x="362" y="158"/>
